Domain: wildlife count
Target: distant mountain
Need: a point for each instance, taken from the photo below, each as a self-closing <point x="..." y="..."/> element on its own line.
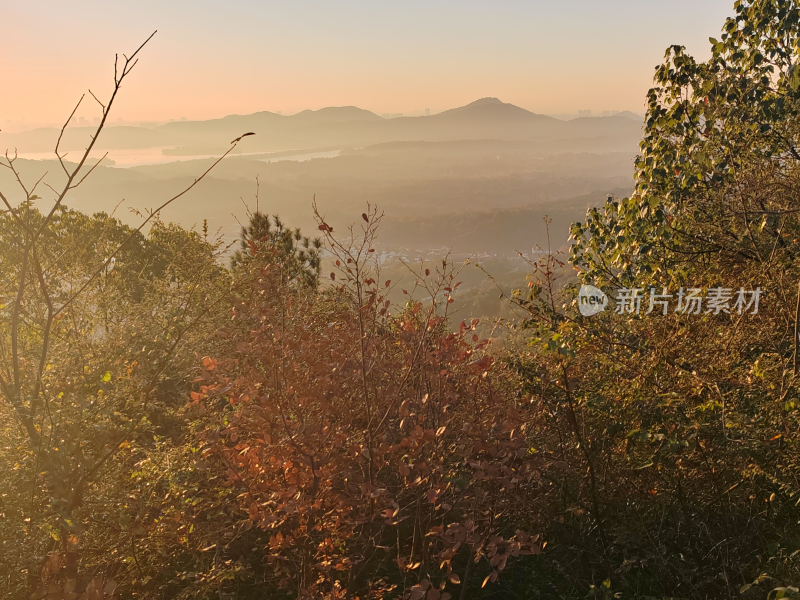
<point x="335" y="114"/>
<point x="630" y="115"/>
<point x="351" y="127"/>
<point x="492" y="109"/>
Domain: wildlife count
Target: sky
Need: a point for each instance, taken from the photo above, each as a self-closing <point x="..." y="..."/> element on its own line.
<point x="214" y="58"/>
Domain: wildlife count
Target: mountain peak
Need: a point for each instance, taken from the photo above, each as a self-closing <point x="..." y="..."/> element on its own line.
<point x="487" y="100"/>
<point x="337" y="114"/>
<point x="491" y="109"/>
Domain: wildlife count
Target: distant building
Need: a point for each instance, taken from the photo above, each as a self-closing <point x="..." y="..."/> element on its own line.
<point x="396" y="115"/>
<point x="277" y="112"/>
<point x="183" y="118"/>
<point x="427" y="112"/>
<point x="584" y="113"/>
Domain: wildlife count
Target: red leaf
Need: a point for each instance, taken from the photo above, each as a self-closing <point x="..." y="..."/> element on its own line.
<point x="364" y="216"/>
<point x="481" y="363"/>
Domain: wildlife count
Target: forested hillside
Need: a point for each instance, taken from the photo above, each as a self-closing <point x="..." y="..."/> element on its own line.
<point x="284" y="420"/>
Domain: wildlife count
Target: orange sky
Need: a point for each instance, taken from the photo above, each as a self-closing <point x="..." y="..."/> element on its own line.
<point x="210" y="59"/>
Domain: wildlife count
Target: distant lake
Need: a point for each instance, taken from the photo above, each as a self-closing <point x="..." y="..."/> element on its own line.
<point x="302" y="157"/>
<point x="153" y="156"/>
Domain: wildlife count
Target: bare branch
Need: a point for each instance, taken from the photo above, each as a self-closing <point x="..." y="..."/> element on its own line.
<point x="35" y="185"/>
<point x="140" y="47"/>
<point x="14" y="390"/>
<point x="137" y="230"/>
<point x="84" y="158"/>
<point x="72" y="114"/>
<point x="90" y="172"/>
<point x="13" y="169"/>
<point x="15" y="215"/>
<point x="103" y="106"/>
<point x="46" y="333"/>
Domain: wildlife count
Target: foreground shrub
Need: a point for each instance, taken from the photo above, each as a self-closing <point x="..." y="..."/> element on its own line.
<point x="370" y="455"/>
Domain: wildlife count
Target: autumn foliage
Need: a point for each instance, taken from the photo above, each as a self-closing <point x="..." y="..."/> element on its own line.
<point x="373" y="454"/>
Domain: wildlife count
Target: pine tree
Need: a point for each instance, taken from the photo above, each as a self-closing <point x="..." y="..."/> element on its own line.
<point x="271" y="242"/>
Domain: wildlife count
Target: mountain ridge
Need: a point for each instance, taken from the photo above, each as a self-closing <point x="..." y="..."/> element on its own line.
<point x="342" y="126"/>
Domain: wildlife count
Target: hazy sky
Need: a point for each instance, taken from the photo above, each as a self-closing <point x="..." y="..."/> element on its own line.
<point x="212" y="58"/>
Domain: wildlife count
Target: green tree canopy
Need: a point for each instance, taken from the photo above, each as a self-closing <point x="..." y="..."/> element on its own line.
<point x="719" y="158"/>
